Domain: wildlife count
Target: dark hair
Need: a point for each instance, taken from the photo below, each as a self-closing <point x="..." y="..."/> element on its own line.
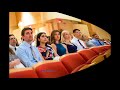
<point x="38" y="36"/>
<point x="24" y="29"/>
<point x="53" y="34"/>
<point x="94" y="34"/>
<point x="75" y="30"/>
<point x="10" y="35"/>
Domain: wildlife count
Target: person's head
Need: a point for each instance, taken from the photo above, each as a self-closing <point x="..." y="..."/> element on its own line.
<point x="27" y="34"/>
<point x="55" y="36"/>
<point x="65" y="35"/>
<point x="12" y="40"/>
<point x="77" y="33"/>
<point x="95" y="36"/>
<point x="85" y="37"/>
<point x="41" y="38"/>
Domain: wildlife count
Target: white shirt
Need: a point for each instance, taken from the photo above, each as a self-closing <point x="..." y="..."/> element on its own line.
<point x="12" y="47"/>
<point x="34" y="43"/>
<point x="75" y="41"/>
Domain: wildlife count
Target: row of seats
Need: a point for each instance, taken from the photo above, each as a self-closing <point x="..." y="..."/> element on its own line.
<point x="68" y="64"/>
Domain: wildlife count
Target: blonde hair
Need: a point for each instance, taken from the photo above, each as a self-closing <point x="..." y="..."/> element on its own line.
<point x="62" y="36"/>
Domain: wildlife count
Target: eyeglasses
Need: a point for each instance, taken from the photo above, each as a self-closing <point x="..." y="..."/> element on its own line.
<point x="12" y="38"/>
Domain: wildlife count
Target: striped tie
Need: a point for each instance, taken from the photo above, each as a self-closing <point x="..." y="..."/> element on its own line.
<point x="33" y="53"/>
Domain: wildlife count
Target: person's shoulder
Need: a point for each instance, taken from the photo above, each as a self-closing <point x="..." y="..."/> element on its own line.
<point x="35" y="47"/>
<point x="22" y="46"/>
<point x="53" y="44"/>
<point x="63" y="45"/>
<point x="48" y="45"/>
<point x="93" y="39"/>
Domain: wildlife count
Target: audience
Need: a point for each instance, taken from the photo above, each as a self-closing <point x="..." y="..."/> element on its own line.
<point x="29" y="54"/>
<point x="31" y="51"/>
<point x="56" y="44"/>
<point x="76" y="40"/>
<point x="66" y="39"/>
<point x="46" y="50"/>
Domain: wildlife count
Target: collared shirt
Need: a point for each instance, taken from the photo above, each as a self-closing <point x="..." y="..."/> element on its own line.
<point x="25" y="54"/>
<point x="96" y="42"/>
<point x="75" y="41"/>
<point x="13" y="47"/>
<point x="89" y="43"/>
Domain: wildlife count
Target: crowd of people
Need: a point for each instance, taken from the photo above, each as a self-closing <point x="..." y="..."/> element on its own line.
<point x="41" y="48"/>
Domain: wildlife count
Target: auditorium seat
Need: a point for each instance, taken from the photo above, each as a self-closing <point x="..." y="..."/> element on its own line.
<point x="89" y="63"/>
<point x="72" y="60"/>
<point x="87" y="54"/>
<point x="107" y="47"/>
<point x="22" y="73"/>
<point x="91" y="58"/>
<point x="104" y="50"/>
<point x="50" y="69"/>
<point x="107" y="53"/>
<point x="82" y="67"/>
<point x="98" y="49"/>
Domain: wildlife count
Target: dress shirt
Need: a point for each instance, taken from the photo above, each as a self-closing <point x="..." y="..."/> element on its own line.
<point x="13" y="47"/>
<point x="96" y="42"/>
<point x="25" y="54"/>
<point x="89" y="43"/>
<point x="75" y="41"/>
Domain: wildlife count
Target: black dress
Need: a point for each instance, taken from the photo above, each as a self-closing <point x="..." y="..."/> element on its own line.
<point x="71" y="48"/>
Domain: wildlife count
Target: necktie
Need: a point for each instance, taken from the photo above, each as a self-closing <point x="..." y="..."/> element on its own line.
<point x="99" y="42"/>
<point x="33" y="54"/>
<point x="15" y="48"/>
<point x="81" y="44"/>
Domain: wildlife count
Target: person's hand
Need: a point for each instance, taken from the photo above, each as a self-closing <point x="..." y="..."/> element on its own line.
<point x="17" y="61"/>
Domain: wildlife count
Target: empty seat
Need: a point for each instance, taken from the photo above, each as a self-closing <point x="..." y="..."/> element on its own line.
<point x="89" y="63"/>
<point x="107" y="47"/>
<point x="98" y="49"/>
<point x="22" y="73"/>
<point x="82" y="67"/>
<point x="88" y="54"/>
<point x="50" y="69"/>
<point x="72" y="60"/>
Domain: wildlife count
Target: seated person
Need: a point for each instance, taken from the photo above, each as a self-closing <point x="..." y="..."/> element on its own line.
<point x="46" y="50"/>
<point x="66" y="39"/>
<point x="12" y="42"/>
<point x="56" y="44"/>
<point x="29" y="54"/>
<point x="14" y="61"/>
<point x="87" y="41"/>
<point x="76" y="40"/>
<point x="96" y="40"/>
